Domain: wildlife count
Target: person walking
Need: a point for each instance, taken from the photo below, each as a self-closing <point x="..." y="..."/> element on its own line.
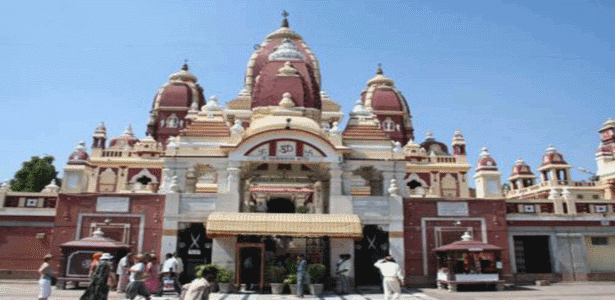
<point x="180" y="266"/>
<point x="200" y="288"/>
<point x="122" y="272"/>
<point x="45" y="280"/>
<point x="302" y="274"/>
<point x="99" y="287"/>
<point x="152" y="283"/>
<point x="342" y="270"/>
<point x="392" y="277"/>
<point x="95" y="259"/>
<point x="170" y="272"/>
<point x="137" y="276"/>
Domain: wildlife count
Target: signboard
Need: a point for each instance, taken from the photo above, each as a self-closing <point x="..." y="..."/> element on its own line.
<point x="115" y="204"/>
<point x="454" y="209"/>
<point x="286" y="149"/>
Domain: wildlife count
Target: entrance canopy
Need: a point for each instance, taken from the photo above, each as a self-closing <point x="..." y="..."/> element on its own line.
<point x="296" y="225"/>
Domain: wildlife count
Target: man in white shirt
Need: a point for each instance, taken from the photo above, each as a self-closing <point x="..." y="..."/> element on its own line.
<point x="122" y="272"/>
<point x="136" y="285"/>
<point x="342" y="270"/>
<point x="392" y="277"/>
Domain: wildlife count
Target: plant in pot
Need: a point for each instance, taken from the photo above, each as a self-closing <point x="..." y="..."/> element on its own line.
<point x="291" y="280"/>
<point x="276" y="277"/>
<point x="224" y="278"/>
<point x="317" y="274"/>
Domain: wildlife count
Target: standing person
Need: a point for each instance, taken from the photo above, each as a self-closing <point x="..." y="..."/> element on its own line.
<point x="302" y="274"/>
<point x="152" y="283"/>
<point x="170" y="272"/>
<point x="137" y="276"/>
<point x="342" y="270"/>
<point x="392" y="277"/>
<point x="99" y="287"/>
<point x="95" y="258"/>
<point x="122" y="272"/>
<point x="200" y="288"/>
<point x="45" y="280"/>
<point x="180" y="265"/>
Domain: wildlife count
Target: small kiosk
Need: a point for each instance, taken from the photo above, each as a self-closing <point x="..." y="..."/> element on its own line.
<point x="77" y="256"/>
<point x="468" y="262"/>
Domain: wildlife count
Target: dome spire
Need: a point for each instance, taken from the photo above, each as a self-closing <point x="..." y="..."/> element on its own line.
<point x="285" y="21"/>
<point x="379" y="70"/>
<point x="185" y="65"/>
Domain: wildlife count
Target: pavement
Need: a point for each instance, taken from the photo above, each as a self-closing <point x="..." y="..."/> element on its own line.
<point x="21" y="289"/>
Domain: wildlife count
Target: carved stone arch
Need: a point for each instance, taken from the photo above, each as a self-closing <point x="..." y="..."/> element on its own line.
<point x="416" y="186"/>
<point x="204" y="179"/>
<point x="143" y="181"/>
<point x="373" y="181"/>
<point x="173" y="121"/>
<point x="144" y="173"/>
<point x="388" y="124"/>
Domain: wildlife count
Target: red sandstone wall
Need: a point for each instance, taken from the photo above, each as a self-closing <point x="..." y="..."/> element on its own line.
<point x="21" y="253"/>
<point x="71" y="205"/>
<point x="493" y="211"/>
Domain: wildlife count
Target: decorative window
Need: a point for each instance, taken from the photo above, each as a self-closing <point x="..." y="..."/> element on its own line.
<point x="172" y="121"/>
<point x="31" y="202"/>
<point x="389" y="125"/>
<point x="600" y="208"/>
<point x="529" y="209"/>
<point x="580" y="197"/>
<point x="595" y="197"/>
<point x="600" y="241"/>
<point x="106" y="181"/>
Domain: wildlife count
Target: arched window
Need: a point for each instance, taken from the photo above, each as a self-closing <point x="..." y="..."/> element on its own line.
<point x="106" y="181"/>
<point x="388" y="125"/>
<point x="172" y="121"/>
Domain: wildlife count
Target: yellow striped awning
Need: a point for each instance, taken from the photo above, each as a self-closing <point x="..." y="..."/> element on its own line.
<point x="296" y="225"/>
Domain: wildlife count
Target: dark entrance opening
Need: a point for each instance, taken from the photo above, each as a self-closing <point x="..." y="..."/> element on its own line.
<point x="532" y="254"/>
<point x="373" y="246"/>
<point x="280" y="205"/>
<point x="250" y="267"/>
<point x="194" y="248"/>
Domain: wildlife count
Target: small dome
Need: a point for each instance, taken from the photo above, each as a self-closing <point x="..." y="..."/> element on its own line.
<point x="287" y="101"/>
<point x="610" y="123"/>
<point x="126" y="139"/>
<point x="458" y="138"/>
<point x="486" y="162"/>
<point x="552" y="157"/>
<point x="79" y="156"/>
<point x="100" y="129"/>
<point x="431" y="145"/>
<point x="286" y="51"/>
<point x="380" y="79"/>
<point x="282" y="122"/>
<point x="521" y="168"/>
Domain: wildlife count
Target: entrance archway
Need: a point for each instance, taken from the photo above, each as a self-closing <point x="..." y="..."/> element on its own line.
<point x="373" y="246"/>
<point x="280" y="205"/>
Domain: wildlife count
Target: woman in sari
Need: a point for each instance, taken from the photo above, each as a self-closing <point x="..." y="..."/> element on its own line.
<point x="99" y="288"/>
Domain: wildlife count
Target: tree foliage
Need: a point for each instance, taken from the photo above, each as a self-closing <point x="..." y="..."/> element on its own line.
<point x="34" y="175"/>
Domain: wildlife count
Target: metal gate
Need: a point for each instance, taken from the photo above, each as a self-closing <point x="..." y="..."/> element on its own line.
<point x="373" y="246"/>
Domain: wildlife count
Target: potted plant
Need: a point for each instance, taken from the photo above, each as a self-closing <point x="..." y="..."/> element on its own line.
<point x="317" y="274"/>
<point x="224" y="278"/>
<point x="302" y="209"/>
<point x="291" y="280"/>
<point x="276" y="277"/>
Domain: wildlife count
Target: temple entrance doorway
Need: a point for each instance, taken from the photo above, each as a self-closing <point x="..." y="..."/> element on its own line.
<point x="373" y="246"/>
<point x="280" y="205"/>
<point x="250" y="265"/>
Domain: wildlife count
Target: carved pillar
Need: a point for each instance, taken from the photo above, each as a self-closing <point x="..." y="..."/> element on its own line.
<point x="318" y="203"/>
<point x="558" y="205"/>
<point x="336" y="180"/>
<point x="570" y="202"/>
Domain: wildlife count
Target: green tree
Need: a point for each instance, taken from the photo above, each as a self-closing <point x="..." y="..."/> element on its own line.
<point x="34" y="175"/>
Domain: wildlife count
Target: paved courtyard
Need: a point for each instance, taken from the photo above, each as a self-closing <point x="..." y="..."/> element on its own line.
<point x="19" y="289"/>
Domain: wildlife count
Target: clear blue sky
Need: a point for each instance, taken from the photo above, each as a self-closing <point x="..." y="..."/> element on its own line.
<point x="512" y="76"/>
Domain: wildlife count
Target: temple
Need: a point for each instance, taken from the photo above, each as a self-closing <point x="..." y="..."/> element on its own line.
<point x="273" y="173"/>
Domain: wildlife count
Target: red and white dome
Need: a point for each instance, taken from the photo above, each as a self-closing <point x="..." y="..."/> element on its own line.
<point x="79" y="156"/>
<point x="431" y="145"/>
<point x="127" y="139"/>
<point x="283" y="63"/>
<point x="486" y="162"/>
<point x="389" y="106"/>
<point x="552" y="157"/>
<point x="521" y="168"/>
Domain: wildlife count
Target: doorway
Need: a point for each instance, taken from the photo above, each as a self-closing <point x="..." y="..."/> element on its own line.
<point x="532" y="254"/>
<point x="194" y="248"/>
<point x="280" y="205"/>
<point x="250" y="265"/>
<point x="373" y="246"/>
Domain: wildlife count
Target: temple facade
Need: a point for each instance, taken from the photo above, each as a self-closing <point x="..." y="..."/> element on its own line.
<point x="272" y="173"/>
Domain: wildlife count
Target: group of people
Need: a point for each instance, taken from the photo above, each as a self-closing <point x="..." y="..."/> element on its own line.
<point x="135" y="275"/>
